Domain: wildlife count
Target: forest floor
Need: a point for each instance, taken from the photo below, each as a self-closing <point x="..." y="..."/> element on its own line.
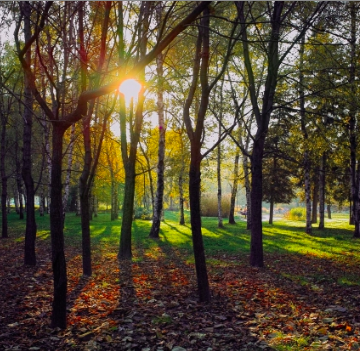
<point x="297" y="302"/>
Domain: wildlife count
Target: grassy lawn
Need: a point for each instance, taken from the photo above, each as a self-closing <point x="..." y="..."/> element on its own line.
<point x="307" y="297"/>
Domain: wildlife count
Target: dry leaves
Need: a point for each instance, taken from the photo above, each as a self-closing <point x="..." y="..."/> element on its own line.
<point x="151" y="304"/>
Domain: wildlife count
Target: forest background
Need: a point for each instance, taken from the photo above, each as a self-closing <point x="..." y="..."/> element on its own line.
<point x="262" y="95"/>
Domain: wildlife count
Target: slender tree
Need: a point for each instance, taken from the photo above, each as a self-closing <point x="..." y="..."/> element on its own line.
<point x="155" y="228"/>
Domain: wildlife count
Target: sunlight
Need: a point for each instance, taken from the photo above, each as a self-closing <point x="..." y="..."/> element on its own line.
<point x="130" y="88"/>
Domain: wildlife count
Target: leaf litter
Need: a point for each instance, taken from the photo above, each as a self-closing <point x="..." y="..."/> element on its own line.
<point x="295" y="302"/>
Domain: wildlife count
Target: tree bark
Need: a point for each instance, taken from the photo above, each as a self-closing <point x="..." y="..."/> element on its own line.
<point x="328" y="206"/>
<point x="4" y="178"/>
<point x="315" y="201"/>
<point x="181" y="200"/>
<point x="271" y="212"/>
<point x="18" y="178"/>
<point x="195" y="218"/>
<point x="352" y="125"/>
<point x="305" y="135"/>
<point x="256" y="246"/>
<point x="218" y="173"/>
<point x="307" y="193"/>
<point x="58" y="316"/>
<point x="30" y="231"/>
<point x="322" y="192"/>
<point x="68" y="170"/>
<point x="234" y="188"/>
<point x="129" y="158"/>
<point x="262" y="119"/>
<point x="247" y="191"/>
<point x="155" y="228"/>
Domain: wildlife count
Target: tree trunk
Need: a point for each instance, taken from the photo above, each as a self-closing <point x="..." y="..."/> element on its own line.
<point x="4" y="224"/>
<point x="181" y="200"/>
<point x="247" y="192"/>
<point x="19" y="183"/>
<point x="353" y="125"/>
<point x="68" y="170"/>
<point x="42" y="203"/>
<point x="305" y="134"/>
<point x="256" y="248"/>
<point x="155" y="228"/>
<point x="4" y="178"/>
<point x="127" y="214"/>
<point x="85" y="229"/>
<point x="129" y="158"/>
<point x="328" y="206"/>
<point x="315" y="201"/>
<point x="271" y="214"/>
<point x="58" y="316"/>
<point x="307" y="193"/>
<point x="351" y="213"/>
<point x="219" y="192"/>
<point x="322" y="192"/>
<point x="16" y="200"/>
<point x="30" y="231"/>
<point x="84" y="178"/>
<point x="195" y="216"/>
<point x="234" y="188"/>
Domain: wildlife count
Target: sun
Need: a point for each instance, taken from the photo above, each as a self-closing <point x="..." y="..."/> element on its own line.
<point x="130" y="88"/>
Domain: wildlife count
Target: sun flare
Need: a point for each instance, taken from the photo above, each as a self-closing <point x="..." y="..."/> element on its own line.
<point x="130" y="88"/>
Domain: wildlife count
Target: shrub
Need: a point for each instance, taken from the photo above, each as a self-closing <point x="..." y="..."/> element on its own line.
<point x="142" y="213"/>
<point x="209" y="206"/>
<point x="296" y="214"/>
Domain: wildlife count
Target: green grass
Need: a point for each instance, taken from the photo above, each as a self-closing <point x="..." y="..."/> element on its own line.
<point x="283" y="236"/>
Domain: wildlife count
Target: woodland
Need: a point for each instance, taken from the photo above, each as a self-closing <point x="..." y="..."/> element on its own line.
<point x="139" y="142"/>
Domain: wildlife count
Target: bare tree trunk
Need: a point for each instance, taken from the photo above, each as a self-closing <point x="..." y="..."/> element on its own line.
<point x="58" y="316"/>
<point x="322" y="191"/>
<point x="30" y="231"/>
<point x="256" y="248"/>
<point x="68" y="170"/>
<point x="328" y="207"/>
<point x="305" y="134"/>
<point x="181" y="200"/>
<point x="199" y="251"/>
<point x="271" y="214"/>
<point x="315" y="201"/>
<point x="129" y="158"/>
<point x="78" y="202"/>
<point x="4" y="178"/>
<point x="42" y="203"/>
<point x="16" y="200"/>
<point x="352" y="126"/>
<point x="155" y="228"/>
<point x="307" y="193"/>
<point x="19" y="181"/>
<point x="218" y="172"/>
<point x="48" y="162"/>
<point x="247" y="191"/>
<point x="234" y="188"/>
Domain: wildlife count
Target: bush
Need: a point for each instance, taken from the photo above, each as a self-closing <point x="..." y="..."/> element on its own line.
<point x="142" y="213"/>
<point x="209" y="207"/>
<point x="296" y="214"/>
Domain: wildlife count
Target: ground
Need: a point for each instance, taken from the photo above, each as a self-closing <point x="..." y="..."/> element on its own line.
<point x="296" y="302"/>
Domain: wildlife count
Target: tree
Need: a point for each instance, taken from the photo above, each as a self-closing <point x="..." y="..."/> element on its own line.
<point x="195" y="135"/>
<point x="278" y="187"/>
<point x="157" y="211"/>
<point x="30" y="231"/>
<point x="59" y="127"/>
<point x="263" y="112"/>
